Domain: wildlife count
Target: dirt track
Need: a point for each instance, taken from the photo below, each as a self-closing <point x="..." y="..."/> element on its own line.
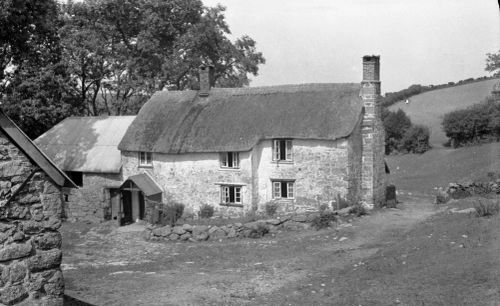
<point x="103" y="266"/>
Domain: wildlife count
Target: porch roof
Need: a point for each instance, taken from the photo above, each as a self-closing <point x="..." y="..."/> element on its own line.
<point x="145" y="183"/>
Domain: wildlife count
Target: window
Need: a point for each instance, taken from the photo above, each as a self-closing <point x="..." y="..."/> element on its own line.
<point x="76" y="177"/>
<point x="230" y="160"/>
<point x="145" y="159"/>
<point x="231" y="195"/>
<point x="283" y="190"/>
<point x="282" y="149"/>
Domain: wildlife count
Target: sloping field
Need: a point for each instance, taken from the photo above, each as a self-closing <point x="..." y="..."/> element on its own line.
<point x="439" y="167"/>
<point x="428" y="108"/>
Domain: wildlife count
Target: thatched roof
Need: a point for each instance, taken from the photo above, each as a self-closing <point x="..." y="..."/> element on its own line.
<point x="236" y="119"/>
<point x="86" y="144"/>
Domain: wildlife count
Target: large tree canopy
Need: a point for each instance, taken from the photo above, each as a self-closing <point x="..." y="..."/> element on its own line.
<point x="106" y="57"/>
<point x="493" y="63"/>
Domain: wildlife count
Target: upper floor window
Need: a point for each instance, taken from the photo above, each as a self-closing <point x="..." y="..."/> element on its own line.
<point x="231" y="194"/>
<point x="283" y="190"/>
<point x="145" y="159"/>
<point x="230" y="160"/>
<point x="282" y="149"/>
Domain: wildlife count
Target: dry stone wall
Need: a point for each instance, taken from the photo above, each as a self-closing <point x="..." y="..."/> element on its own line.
<point x="30" y="216"/>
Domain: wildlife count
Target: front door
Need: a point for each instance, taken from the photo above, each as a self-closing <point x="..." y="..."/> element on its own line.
<point x="127" y="207"/>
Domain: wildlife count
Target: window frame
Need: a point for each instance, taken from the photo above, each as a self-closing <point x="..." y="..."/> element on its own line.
<point x="228" y="191"/>
<point x="225" y="161"/>
<point x="287" y="145"/>
<point x="143" y="162"/>
<point x="278" y="187"/>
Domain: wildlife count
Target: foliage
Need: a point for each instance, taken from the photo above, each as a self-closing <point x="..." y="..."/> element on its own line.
<point x="358" y="210"/>
<point x="442" y="197"/>
<point x="170" y="213"/>
<point x="474" y="124"/>
<point x="206" y="211"/>
<point x="493" y="63"/>
<point x="271" y="208"/>
<point x="323" y="207"/>
<point x="259" y="231"/>
<point x="486" y="208"/>
<point x="339" y="203"/>
<point x="416" y="139"/>
<point x="401" y="135"/>
<point x="324" y="220"/>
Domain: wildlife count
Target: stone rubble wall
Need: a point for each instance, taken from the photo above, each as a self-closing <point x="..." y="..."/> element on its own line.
<point x="30" y="216"/>
<point x="255" y="229"/>
<point x="91" y="202"/>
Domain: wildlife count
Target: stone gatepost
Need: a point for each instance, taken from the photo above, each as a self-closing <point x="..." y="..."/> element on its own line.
<point x="30" y="216"/>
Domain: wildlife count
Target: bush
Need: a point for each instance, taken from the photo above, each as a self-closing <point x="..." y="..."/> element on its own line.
<point x="340" y="203"/>
<point x="487" y="208"/>
<point x="322" y="208"/>
<point x="442" y="197"/>
<point x="416" y="139"/>
<point x="358" y="210"/>
<point x="170" y="213"/>
<point x="259" y="231"/>
<point x="206" y="211"/>
<point x="271" y="208"/>
<point x="324" y="220"/>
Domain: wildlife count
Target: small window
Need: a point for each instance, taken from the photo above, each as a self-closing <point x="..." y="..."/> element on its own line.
<point x="231" y="195"/>
<point x="76" y="177"/>
<point x="145" y="159"/>
<point x="282" y="149"/>
<point x="66" y="197"/>
<point x="283" y="190"/>
<point x="230" y="160"/>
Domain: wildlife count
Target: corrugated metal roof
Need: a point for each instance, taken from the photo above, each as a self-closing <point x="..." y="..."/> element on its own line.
<point x="145" y="183"/>
<point x="86" y="144"/>
<point x="235" y="119"/>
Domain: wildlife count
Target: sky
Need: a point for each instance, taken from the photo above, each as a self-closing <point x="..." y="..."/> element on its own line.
<point x="322" y="41"/>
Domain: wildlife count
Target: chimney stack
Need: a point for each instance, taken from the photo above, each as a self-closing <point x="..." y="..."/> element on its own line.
<point x="205" y="79"/>
<point x="371" y="68"/>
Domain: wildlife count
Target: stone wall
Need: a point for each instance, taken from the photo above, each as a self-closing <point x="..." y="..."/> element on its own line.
<point x="91" y="201"/>
<point x="355" y="156"/>
<point x="30" y="216"/>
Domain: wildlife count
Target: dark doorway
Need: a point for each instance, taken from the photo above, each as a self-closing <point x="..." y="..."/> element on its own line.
<point x="127" y="207"/>
<point x="141" y="205"/>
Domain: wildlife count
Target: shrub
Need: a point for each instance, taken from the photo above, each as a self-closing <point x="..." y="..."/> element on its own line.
<point x="487" y="208"/>
<point x="322" y="208"/>
<point x="416" y="139"/>
<point x="324" y="220"/>
<point x="442" y="197"/>
<point x="259" y="231"/>
<point x="206" y="211"/>
<point x="358" y="210"/>
<point x="340" y="203"/>
<point x="170" y="213"/>
<point x="271" y="208"/>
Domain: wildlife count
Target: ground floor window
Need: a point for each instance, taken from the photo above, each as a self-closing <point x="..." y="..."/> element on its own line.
<point x="283" y="189"/>
<point x="231" y="194"/>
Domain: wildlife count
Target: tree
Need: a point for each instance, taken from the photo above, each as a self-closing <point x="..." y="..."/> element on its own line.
<point x="416" y="139"/>
<point x="27" y="32"/>
<point x="493" y="63"/>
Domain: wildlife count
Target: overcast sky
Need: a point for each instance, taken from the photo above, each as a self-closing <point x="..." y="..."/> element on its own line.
<point x="419" y="41"/>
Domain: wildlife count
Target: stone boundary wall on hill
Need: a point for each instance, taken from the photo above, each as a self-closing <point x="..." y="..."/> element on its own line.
<point x="30" y="216"/>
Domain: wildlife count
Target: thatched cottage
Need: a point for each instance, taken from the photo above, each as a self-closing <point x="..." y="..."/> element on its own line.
<point x="239" y="148"/>
<point x="86" y="149"/>
<point x="30" y="214"/>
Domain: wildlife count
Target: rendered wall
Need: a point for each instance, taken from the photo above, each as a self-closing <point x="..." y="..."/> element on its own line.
<point x="194" y="179"/>
<point x="30" y="216"/>
<point x="319" y="168"/>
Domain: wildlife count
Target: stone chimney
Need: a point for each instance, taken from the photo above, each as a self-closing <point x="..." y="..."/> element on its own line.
<point x="205" y="76"/>
<point x="373" y="167"/>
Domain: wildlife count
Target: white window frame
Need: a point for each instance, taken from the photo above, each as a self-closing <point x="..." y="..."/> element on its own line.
<point x="277" y="186"/>
<point x="230" y="160"/>
<point x="145" y="159"/>
<point x="226" y="194"/>
<point x="287" y="145"/>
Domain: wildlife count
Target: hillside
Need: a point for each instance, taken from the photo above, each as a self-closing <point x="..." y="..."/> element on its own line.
<point x="438" y="167"/>
<point x="428" y="108"/>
